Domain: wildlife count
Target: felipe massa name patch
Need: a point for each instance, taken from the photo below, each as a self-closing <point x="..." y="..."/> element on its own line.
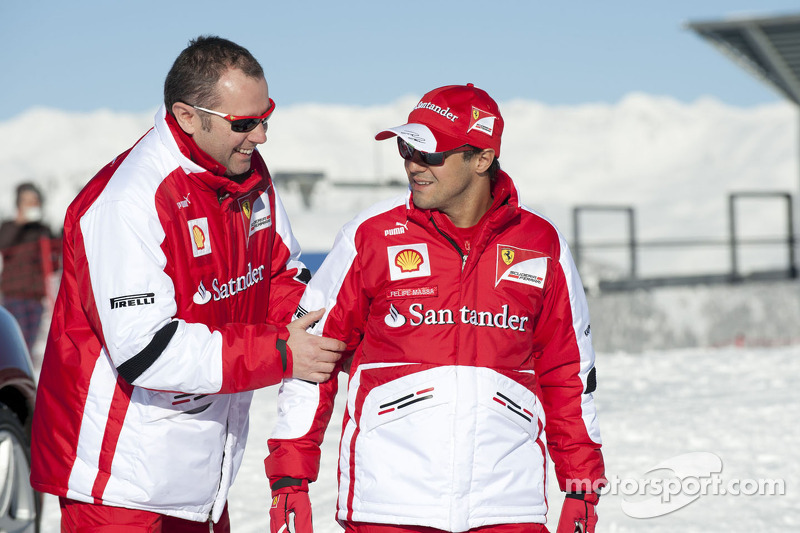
<point x="412" y="292"/>
<point x="519" y="265"/>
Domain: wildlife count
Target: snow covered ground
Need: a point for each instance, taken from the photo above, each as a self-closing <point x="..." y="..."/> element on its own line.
<point x="738" y="404"/>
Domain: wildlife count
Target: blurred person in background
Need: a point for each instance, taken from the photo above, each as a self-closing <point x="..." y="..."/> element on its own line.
<point x="180" y="276"/>
<point x="469" y="351"/>
<point x="23" y="281"/>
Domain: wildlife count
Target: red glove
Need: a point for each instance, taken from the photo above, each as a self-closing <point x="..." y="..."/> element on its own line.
<point x="291" y="510"/>
<point x="578" y="514"/>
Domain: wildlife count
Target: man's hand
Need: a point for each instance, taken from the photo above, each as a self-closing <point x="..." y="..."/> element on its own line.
<point x="290" y="513"/>
<point x="578" y="514"/>
<point x="313" y="357"/>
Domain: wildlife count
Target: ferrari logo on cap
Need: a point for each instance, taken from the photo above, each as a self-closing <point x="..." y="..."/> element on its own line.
<point x="481" y="121"/>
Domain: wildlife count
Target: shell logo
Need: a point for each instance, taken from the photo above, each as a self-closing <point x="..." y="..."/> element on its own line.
<point x="408" y="260"/>
<point x="199" y="237"/>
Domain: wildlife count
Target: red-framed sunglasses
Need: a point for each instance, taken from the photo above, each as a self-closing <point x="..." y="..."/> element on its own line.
<point x="433" y="159"/>
<point x="241" y="124"/>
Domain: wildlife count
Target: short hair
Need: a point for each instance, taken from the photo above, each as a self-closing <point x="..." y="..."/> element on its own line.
<point x="28" y="187"/>
<point x="493" y="168"/>
<point x="194" y="75"/>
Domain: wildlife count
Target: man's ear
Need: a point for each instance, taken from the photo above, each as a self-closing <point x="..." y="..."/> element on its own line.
<point x="186" y="116"/>
<point x="484" y="160"/>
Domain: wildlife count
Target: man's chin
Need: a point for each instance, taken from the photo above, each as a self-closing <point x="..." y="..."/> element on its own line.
<point x="237" y="168"/>
<point x="421" y="203"/>
<point x="240" y="177"/>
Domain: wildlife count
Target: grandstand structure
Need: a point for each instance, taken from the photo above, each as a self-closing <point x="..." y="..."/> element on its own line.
<point x="766" y="47"/>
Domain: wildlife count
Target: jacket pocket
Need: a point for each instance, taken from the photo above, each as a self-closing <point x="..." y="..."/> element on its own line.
<point x="405" y="438"/>
<point x="404" y="397"/>
<point x="510" y="456"/>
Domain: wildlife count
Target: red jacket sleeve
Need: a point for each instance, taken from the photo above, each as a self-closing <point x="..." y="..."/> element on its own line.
<point x="304" y="409"/>
<point x="565" y="367"/>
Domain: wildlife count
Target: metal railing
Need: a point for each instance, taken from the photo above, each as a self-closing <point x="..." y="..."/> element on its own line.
<point x="633" y="247"/>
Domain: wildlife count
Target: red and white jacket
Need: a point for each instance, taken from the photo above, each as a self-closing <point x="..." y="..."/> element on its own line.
<point x="466" y="369"/>
<point x="176" y="288"/>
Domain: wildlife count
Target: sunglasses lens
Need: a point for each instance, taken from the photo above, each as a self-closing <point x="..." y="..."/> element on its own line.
<point x="244" y="125"/>
<point x="432" y="158"/>
<point x="406" y="152"/>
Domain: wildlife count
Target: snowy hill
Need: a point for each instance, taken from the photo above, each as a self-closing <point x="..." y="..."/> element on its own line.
<point x="674" y="162"/>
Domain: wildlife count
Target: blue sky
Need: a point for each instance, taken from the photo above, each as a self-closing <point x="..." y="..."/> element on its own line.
<point x="86" y="55"/>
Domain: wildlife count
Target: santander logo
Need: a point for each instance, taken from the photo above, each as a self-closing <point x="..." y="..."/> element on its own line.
<point x="394" y="319"/>
<point x="226" y="289"/>
<point x="437" y="109"/>
<point x="202" y="296"/>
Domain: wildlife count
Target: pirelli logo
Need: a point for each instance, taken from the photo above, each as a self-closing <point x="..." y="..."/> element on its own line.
<point x="132" y="300"/>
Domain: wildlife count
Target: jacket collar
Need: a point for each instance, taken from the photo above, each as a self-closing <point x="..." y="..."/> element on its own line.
<point x="200" y="166"/>
<point x="504" y="193"/>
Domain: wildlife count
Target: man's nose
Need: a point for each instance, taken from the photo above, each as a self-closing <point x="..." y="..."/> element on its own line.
<point x="259" y="134"/>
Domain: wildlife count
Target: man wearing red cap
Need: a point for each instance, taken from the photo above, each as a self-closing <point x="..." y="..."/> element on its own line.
<point x="470" y="353"/>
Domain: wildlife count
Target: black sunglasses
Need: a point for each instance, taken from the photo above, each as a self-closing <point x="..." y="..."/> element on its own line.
<point x="241" y="124"/>
<point x="433" y="159"/>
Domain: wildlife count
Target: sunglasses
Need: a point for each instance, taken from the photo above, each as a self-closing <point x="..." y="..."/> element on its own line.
<point x="434" y="159"/>
<point x="241" y="124"/>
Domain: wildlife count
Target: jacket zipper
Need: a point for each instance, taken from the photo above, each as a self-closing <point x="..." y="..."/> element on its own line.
<point x="451" y="241"/>
<point x="460" y="297"/>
